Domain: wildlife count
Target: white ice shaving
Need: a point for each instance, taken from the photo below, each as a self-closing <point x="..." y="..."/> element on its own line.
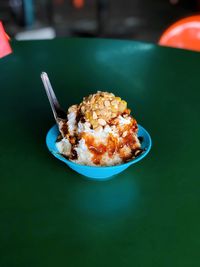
<point x="83" y="153"/>
<point x="101" y="135"/>
<point x="71" y="122"/>
<point x="123" y="121"/>
<point x="64" y="147"/>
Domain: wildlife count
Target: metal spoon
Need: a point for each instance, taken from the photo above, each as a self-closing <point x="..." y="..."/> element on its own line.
<point x="59" y="114"/>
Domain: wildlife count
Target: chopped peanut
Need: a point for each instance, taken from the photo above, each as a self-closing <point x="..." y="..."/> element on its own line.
<point x="100" y="108"/>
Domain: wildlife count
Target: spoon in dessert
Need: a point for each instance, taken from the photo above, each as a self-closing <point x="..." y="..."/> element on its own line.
<point x="59" y="114"/>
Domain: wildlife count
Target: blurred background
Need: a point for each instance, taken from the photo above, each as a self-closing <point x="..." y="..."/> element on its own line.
<point x="143" y="20"/>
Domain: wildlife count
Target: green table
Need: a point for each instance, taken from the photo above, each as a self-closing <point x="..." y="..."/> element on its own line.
<point x="147" y="216"/>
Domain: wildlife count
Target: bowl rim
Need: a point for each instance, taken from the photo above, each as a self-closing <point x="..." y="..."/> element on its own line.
<point x="126" y="164"/>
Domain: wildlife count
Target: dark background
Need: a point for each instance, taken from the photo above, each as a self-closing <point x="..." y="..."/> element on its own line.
<point x="125" y="19"/>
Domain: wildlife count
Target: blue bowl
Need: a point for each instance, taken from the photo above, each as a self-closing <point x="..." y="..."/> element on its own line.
<point x="94" y="172"/>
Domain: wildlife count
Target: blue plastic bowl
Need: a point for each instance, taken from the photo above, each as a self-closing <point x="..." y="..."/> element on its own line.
<point x="99" y="173"/>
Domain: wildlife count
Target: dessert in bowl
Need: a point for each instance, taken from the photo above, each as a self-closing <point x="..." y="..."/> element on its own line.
<point x="99" y="137"/>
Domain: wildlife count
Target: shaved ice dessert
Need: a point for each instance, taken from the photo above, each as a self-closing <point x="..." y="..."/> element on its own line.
<point x="99" y="131"/>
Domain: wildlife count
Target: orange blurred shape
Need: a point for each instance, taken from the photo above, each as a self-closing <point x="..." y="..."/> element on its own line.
<point x="5" y="48"/>
<point x="184" y="33"/>
<point x="78" y="3"/>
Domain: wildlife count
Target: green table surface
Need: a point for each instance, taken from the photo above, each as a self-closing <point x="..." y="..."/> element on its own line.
<point x="147" y="216"/>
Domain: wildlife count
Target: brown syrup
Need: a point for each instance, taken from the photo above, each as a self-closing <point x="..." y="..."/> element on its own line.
<point x="112" y="146"/>
<point x="64" y="129"/>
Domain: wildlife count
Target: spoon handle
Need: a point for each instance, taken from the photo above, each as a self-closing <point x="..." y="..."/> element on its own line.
<point x="55" y="106"/>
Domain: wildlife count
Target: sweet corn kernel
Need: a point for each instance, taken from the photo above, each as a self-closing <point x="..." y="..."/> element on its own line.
<point x="118" y="98"/>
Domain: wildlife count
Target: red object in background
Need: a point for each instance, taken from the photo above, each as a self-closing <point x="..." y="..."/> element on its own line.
<point x="184" y="33"/>
<point x="78" y="3"/>
<point x="5" y="48"/>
